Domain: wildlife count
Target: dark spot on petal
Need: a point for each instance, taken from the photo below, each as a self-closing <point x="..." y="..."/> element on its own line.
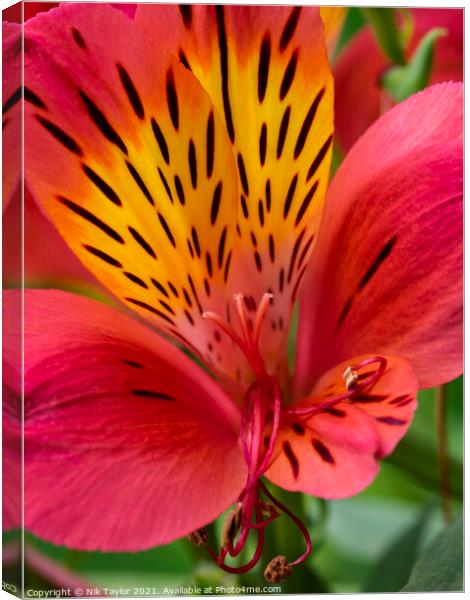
<point x="262" y="143"/>
<point x="319" y="158"/>
<point x="137" y="280"/>
<point x="186" y="14"/>
<point x="139" y="181"/>
<point x="243" y="177"/>
<point x="179" y="190"/>
<point x="133" y="363"/>
<point x="289" y="28"/>
<point x="131" y="91"/>
<point x="142" y="242"/>
<point x="216" y="203"/>
<point x="391" y="420"/>
<point x="104" y="188"/>
<point x="60" y="135"/>
<point x="306" y="125"/>
<point x="210" y="145"/>
<point x="78" y="38"/>
<point x="283" y="132"/>
<point x="306" y="203"/>
<point x="383" y="254"/>
<point x="91" y="218"/>
<point x="102" y="123"/>
<point x="196" y="242"/>
<point x="263" y="67"/>
<point x="172" y="99"/>
<point x="223" y="51"/>
<point x="152" y="394"/>
<point x="323" y="451"/>
<point x="151" y="309"/>
<point x="159" y="287"/>
<point x="289" y="75"/>
<point x="192" y="163"/>
<point x="103" y="256"/>
<point x="161" y="141"/>
<point x="292" y="458"/>
<point x="166" y="229"/>
<point x="165" y="185"/>
<point x="298" y="428"/>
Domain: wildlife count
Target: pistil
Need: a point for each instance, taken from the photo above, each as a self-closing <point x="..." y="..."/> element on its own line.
<point x="261" y="412"/>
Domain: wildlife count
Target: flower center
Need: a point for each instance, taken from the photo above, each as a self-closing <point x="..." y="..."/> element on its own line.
<point x="256" y="507"/>
<point x="261" y="413"/>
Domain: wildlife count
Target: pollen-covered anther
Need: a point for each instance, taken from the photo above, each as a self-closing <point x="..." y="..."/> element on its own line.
<point x="200" y="537"/>
<point x="350" y="378"/>
<point x="277" y="570"/>
<point x="232" y="525"/>
<point x="268" y="510"/>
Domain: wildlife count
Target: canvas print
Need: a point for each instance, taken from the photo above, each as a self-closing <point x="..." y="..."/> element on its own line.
<point x="232" y="299"/>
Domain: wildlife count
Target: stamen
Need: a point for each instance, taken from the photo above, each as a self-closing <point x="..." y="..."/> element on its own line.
<point x="297" y="522"/>
<point x="350" y="378"/>
<point x="232" y="525"/>
<point x="217" y="319"/>
<point x="277" y="570"/>
<point x="260" y="314"/>
<point x="261" y="409"/>
<point x="351" y="390"/>
<point x="200" y="537"/>
<point x="242" y="316"/>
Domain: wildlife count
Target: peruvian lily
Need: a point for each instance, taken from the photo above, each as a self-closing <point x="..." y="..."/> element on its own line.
<point x="184" y="157"/>
<point x="361" y="64"/>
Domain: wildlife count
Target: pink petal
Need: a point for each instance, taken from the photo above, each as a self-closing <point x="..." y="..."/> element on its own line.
<point x="11" y="113"/>
<point x="47" y="257"/>
<point x="333" y="454"/>
<point x="360" y="65"/>
<point x="123" y="433"/>
<point x="386" y="274"/>
<point x="11" y="414"/>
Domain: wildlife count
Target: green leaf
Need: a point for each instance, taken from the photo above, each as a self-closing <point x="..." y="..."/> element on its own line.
<point x="440" y="566"/>
<point x="386" y="31"/>
<point x="403" y="81"/>
<point x="352" y="24"/>
<point x="414" y="456"/>
<point x="394" y="567"/>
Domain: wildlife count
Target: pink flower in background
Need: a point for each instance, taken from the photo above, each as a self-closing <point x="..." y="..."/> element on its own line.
<point x="359" y="100"/>
<point x="181" y="183"/>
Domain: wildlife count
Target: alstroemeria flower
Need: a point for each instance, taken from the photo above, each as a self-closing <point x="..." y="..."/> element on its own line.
<point x="359" y="99"/>
<point x="184" y="158"/>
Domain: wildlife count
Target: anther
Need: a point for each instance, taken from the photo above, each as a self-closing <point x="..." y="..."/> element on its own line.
<point x="200" y="537"/>
<point x="350" y="378"/>
<point x="232" y="525"/>
<point x="277" y="570"/>
<point x="268" y="509"/>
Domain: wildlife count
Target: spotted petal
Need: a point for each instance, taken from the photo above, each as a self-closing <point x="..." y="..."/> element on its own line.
<point x="266" y="70"/>
<point x="386" y="274"/>
<point x="333" y="454"/>
<point x="123" y="433"/>
<point x="117" y="152"/>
